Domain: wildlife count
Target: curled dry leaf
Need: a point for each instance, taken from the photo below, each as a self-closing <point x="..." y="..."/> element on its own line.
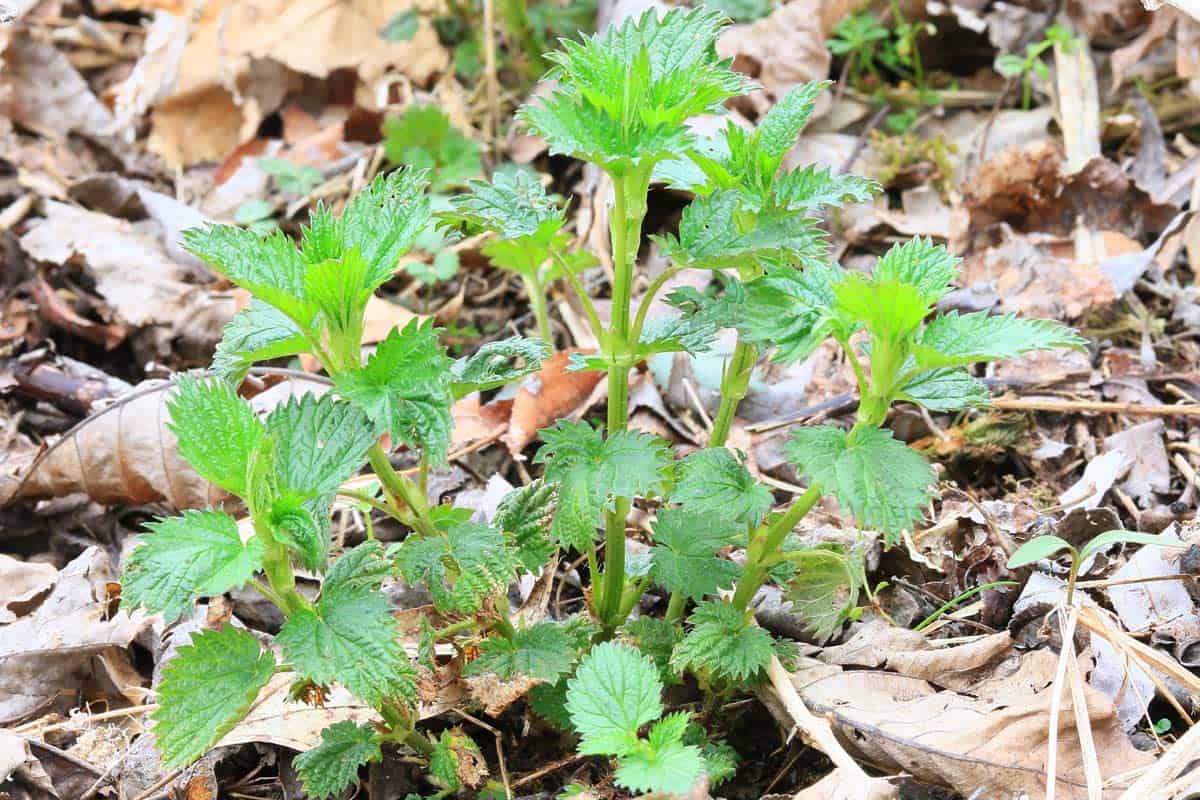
<point x="552" y="393"/>
<point x="50" y="650"/>
<point x="994" y="745"/>
<point x="47" y="94"/>
<point x="1027" y="189"/>
<point x="126" y="454"/>
<point x="785" y="48"/>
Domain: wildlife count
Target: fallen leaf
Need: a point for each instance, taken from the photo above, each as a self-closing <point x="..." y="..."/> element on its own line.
<point x="126" y="454"/>
<point x="48" y="652"/>
<point x="551" y="393"/>
<point x="20" y="767"/>
<point x="21" y="582"/>
<point x="995" y="747"/>
<point x="47" y="94"/>
<point x="1109" y="21"/>
<point x="783" y="49"/>
<point x="154" y="75"/>
<point x="1150" y="468"/>
<point x="1101" y="473"/>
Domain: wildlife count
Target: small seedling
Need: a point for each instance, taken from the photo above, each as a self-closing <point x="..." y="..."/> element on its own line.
<point x="1044" y="547"/>
<point x="424" y="138"/>
<point x="297" y="179"/>
<point x="1011" y="65"/>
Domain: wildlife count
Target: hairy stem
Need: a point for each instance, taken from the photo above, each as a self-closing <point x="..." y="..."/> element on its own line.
<point x="735" y="382"/>
<point x="675" y="606"/>
<point x="537" y="299"/>
<point x="765" y="542"/>
<point x="401" y="491"/>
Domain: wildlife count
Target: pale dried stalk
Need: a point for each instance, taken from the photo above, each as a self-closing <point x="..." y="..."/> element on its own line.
<point x="1168" y="766"/>
<point x="1189" y="7"/>
<point x="815" y="729"/>
<point x="1060" y="675"/>
<point x="1083" y="723"/>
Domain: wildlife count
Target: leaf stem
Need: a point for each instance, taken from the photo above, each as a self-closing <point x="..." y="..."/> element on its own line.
<point x="764" y="544"/>
<point x="735" y="382"/>
<point x="675" y="606"/>
<point x="648" y="298"/>
<point x="589" y="309"/>
<point x="401" y="490"/>
<point x="537" y="299"/>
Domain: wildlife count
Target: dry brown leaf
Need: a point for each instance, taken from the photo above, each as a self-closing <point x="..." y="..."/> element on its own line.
<point x="1027" y="189"/>
<point x="154" y="74"/>
<point x="1123" y="59"/>
<point x="1108" y="22"/>
<point x="264" y="47"/>
<point x="19" y="767"/>
<point x="126" y="454"/>
<point x="550" y="394"/>
<point x="20" y="583"/>
<point x="48" y="652"/>
<point x="784" y="49"/>
<point x="47" y="94"/>
<point x="132" y="270"/>
<point x="994" y="747"/>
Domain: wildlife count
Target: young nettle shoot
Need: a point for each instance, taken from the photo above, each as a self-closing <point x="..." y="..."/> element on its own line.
<point x="622" y="101"/>
<point x="1024" y="67"/>
<point x="1041" y="548"/>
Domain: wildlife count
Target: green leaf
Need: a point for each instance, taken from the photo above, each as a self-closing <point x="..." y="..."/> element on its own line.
<point x="472" y="562"/>
<point x="881" y="482"/>
<point x="793" y="310"/>
<point x="946" y="389"/>
<point x="1036" y="549"/>
<point x="953" y="339"/>
<point x="525" y="515"/>
<point x="205" y="691"/>
<point x="445" y="763"/>
<point x="198" y="554"/>
<point x="333" y="765"/>
<point x="382" y="222"/>
<point x="677" y="333"/>
<point x="405" y="388"/>
<point x="720" y="760"/>
<point x="257" y="333"/>
<point x="891" y="310"/>
<point x="402" y="27"/>
<point x="684" y="553"/>
<point x="715" y="233"/>
<point x="549" y="701"/>
<point x="722" y="644"/>
<point x="779" y="129"/>
<point x="424" y="138"/>
<point x="591" y="472"/>
<point x="715" y="483"/>
<point x="927" y="267"/>
<point x="253" y="211"/>
<point x="622" y="96"/>
<point x="497" y="363"/>
<point x="655" y="637"/>
<point x="299" y="179"/>
<point x="615" y="692"/>
<point x="514" y="205"/>
<point x="811" y="189"/>
<point x="825" y="587"/>
<point x="544" y="651"/>
<point x="270" y="267"/>
<point x="350" y="636"/>
<point x="319" y="442"/>
<point x="1106" y="540"/>
<point x="303" y="525"/>
<point x="339" y="288"/>
<point x="664" y="763"/>
<point x="217" y="431"/>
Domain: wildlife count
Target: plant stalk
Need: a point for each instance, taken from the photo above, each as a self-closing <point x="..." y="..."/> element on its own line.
<point x="766" y="542"/>
<point x="537" y="298"/>
<point x="401" y="491"/>
<point x="735" y="382"/>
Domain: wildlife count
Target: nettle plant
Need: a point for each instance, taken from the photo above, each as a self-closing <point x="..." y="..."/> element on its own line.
<point x="622" y="101"/>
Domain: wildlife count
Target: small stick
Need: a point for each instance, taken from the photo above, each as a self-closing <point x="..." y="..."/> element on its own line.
<point x="1095" y="406"/>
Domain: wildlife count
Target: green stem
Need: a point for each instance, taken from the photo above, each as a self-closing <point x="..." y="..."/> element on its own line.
<point x="401" y="490"/>
<point x="501" y="624"/>
<point x="675" y="606"/>
<point x="455" y="628"/>
<point x="764" y="544"/>
<point x="967" y="595"/>
<point x="612" y="580"/>
<point x="735" y="382"/>
<point x="589" y="308"/>
<point x="648" y="298"/>
<point x="537" y="298"/>
<point x="417" y="741"/>
<point x="277" y="564"/>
